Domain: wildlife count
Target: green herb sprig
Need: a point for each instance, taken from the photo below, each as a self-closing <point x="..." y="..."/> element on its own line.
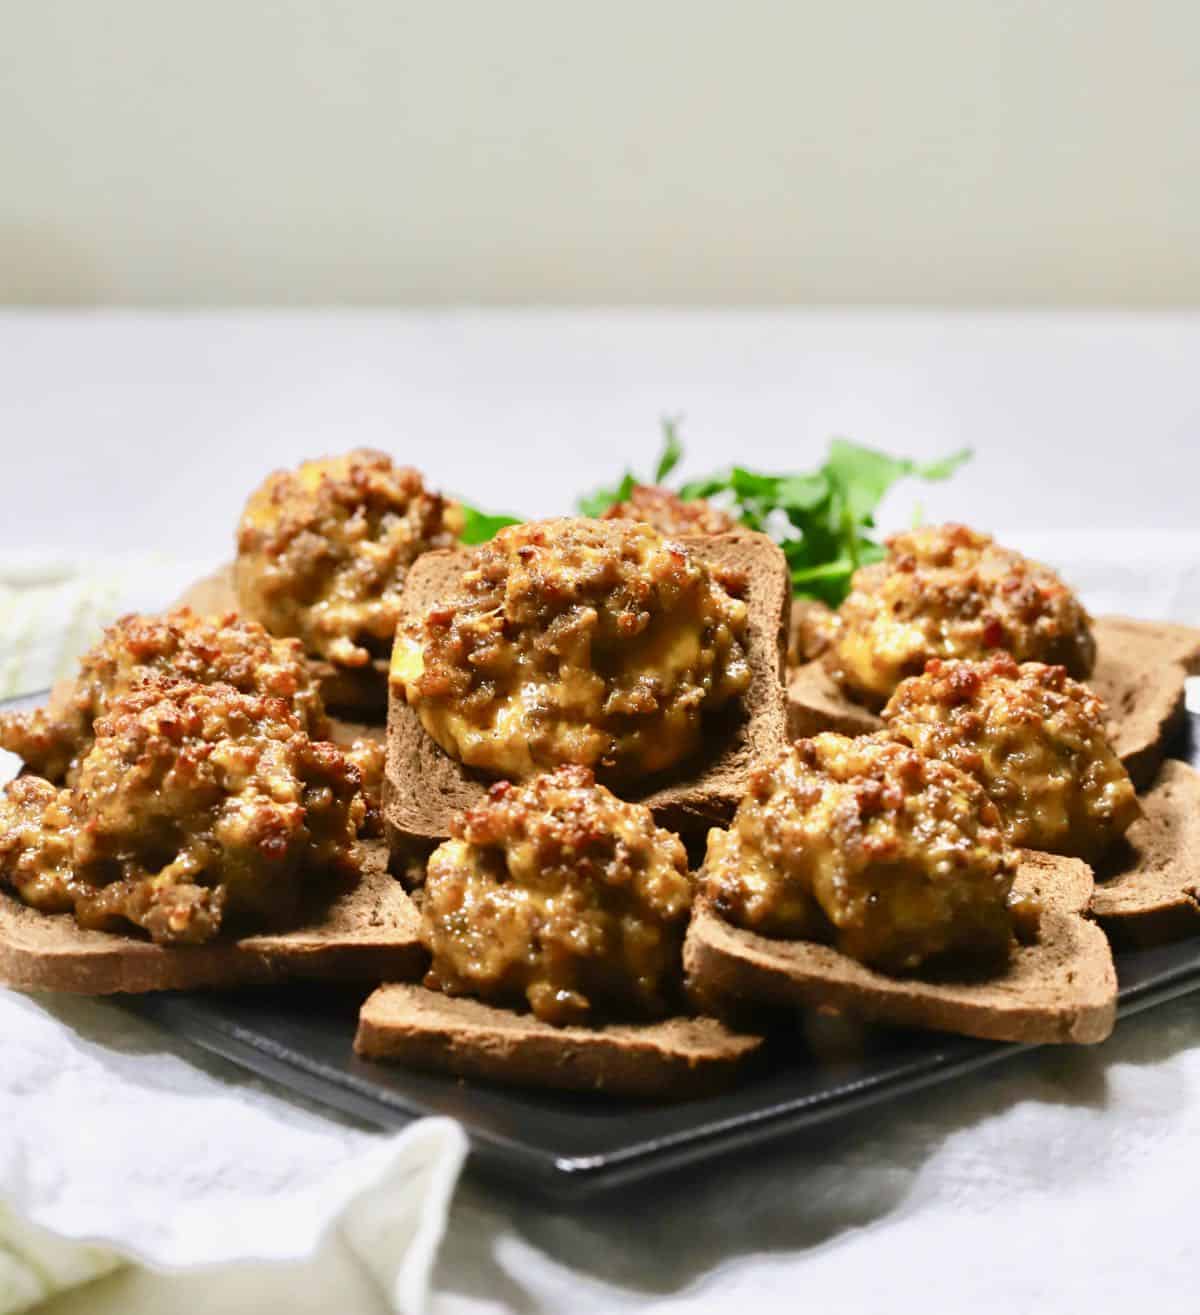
<point x="822" y="520"/>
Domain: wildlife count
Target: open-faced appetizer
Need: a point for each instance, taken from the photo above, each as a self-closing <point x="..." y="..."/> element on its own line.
<point x="322" y="555"/>
<point x="946" y="591"/>
<point x="861" y="875"/>
<point x="668" y="513"/>
<point x="205" y="838"/>
<point x="655" y="662"/>
<point x="554" y="917"/>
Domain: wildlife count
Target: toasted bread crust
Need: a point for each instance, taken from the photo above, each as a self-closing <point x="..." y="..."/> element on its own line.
<point x="1061" y="989"/>
<point x="370" y="933"/>
<point x="424" y="787"/>
<point x="673" y="1059"/>
<point x="1149" y="892"/>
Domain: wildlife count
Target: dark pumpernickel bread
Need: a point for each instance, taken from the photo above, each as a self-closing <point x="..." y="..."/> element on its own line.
<point x="816" y="704"/>
<point x="424" y="787"/>
<point x="358" y="693"/>
<point x="369" y="934"/>
<point x="1150" y="891"/>
<point x="1140" y="670"/>
<point x="673" y="1059"/>
<point x="1061" y="989"/>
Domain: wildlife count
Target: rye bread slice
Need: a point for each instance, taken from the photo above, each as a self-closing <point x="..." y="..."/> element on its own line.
<point x="670" y="1060"/>
<point x="816" y="703"/>
<point x="359" y="693"/>
<point x="424" y="787"/>
<point x="1140" y="672"/>
<point x="1063" y="988"/>
<point x="1149" y="891"/>
<point x="368" y="934"/>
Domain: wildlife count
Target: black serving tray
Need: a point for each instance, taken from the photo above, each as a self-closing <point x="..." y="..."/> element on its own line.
<point x="570" y="1148"/>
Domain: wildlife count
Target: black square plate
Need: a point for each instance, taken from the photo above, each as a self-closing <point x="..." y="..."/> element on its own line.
<point x="571" y="1147"/>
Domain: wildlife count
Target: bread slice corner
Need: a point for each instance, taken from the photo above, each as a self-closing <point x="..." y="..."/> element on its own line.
<point x="1149" y="892"/>
<point x="816" y="703"/>
<point x="368" y="934"/>
<point x="425" y="787"/>
<point x="677" y="1058"/>
<point x="1063" y="988"/>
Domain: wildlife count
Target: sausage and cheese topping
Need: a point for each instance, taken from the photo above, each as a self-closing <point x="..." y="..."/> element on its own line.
<point x="948" y="592"/>
<point x="576" y="641"/>
<point x="52" y="740"/>
<point x="193" y="805"/>
<point x="323" y="551"/>
<point x="559" y="895"/>
<point x="892" y="857"/>
<point x="667" y="512"/>
<point x="1033" y="738"/>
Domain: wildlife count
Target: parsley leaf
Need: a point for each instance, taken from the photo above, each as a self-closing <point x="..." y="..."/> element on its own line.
<point x="480" y="526"/>
<point x="821" y="519"/>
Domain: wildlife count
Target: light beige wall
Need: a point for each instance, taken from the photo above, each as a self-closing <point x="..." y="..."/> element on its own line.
<point x="375" y="151"/>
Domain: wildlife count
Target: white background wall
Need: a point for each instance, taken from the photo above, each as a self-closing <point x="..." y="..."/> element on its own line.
<point x="378" y="151"/>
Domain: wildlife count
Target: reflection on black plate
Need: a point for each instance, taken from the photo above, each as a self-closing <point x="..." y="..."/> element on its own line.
<point x="568" y="1147"/>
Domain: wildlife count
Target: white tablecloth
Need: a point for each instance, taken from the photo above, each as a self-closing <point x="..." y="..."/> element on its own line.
<point x="1062" y="1182"/>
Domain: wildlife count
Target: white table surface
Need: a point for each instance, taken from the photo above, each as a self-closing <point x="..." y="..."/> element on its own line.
<point x="1048" y="1186"/>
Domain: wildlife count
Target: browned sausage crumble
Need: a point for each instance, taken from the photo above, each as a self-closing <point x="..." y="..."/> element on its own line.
<point x="894" y="858"/>
<point x="323" y="551"/>
<point x="1033" y="738"/>
<point x="558" y="895"/>
<point x="52" y="740"/>
<point x="669" y="514"/>
<point x="945" y="591"/>
<point x="194" y="805"/>
<point x="576" y="641"/>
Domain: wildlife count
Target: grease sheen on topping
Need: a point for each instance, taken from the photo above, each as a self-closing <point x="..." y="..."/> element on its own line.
<point x="194" y="803"/>
<point x="558" y="895"/>
<point x="1033" y="738"/>
<point x="323" y="551"/>
<point x="946" y="591"/>
<point x="598" y="643"/>
<point x="892" y="857"/>
<point x="208" y="650"/>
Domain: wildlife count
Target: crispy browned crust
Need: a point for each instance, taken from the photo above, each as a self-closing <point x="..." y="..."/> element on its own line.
<point x="369" y="934"/>
<point x="1150" y="890"/>
<point x="1061" y="989"/>
<point x="357" y="693"/>
<point x="424" y="787"/>
<point x="1140" y="670"/>
<point x="673" y="1059"/>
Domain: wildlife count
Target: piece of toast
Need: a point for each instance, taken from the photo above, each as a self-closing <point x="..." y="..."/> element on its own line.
<point x="424" y="787"/>
<point x="1140" y="672"/>
<point x="1063" y="988"/>
<point x="368" y="934"/>
<point x="357" y="693"/>
<point x="1149" y="891"/>
<point x="673" y="1059"/>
